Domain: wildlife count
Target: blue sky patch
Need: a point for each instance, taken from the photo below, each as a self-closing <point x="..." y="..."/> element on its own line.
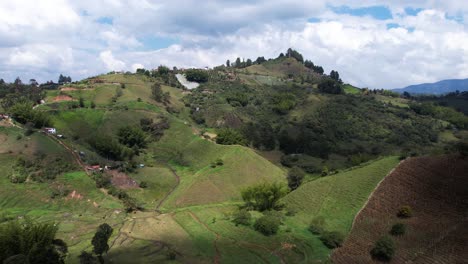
<point x="456" y="18"/>
<point x="377" y="12"/>
<point x="155" y="43"/>
<point x="313" y="20"/>
<point x="392" y="25"/>
<point x="410" y="11"/>
<point x="105" y="20"/>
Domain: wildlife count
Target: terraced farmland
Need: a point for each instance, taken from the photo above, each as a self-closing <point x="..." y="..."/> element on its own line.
<point x="435" y="189"/>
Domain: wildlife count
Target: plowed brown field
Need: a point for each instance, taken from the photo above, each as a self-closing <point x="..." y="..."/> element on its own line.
<point x="437" y="190"/>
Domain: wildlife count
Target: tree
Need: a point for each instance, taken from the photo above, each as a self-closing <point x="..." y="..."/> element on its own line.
<point x="330" y="86"/>
<point x="383" y="249"/>
<point x="248" y="63"/>
<point x="81" y="102"/>
<point x="30" y="242"/>
<point x="264" y="196"/>
<point x="260" y="60"/>
<point x="267" y="225"/>
<point x="317" y="225"/>
<point x="100" y="240"/>
<point x="335" y="76"/>
<point x="228" y="63"/>
<point x="295" y="177"/>
<point x="238" y="63"/>
<point x="87" y="258"/>
<point x="196" y="75"/>
<point x="132" y="136"/>
<point x="229" y="136"/>
<point x="398" y="229"/>
<point x="156" y="92"/>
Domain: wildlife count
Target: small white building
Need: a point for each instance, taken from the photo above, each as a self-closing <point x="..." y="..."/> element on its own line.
<point x="50" y="130"/>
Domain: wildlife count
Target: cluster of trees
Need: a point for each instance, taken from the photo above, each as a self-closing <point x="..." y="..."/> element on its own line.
<point x="24" y="113"/>
<point x="155" y="129"/>
<point x="264" y="197"/>
<point x="196" y="75"/>
<point x="316" y="68"/>
<point x="64" y="79"/>
<point x="12" y="93"/>
<point x="331" y="86"/>
<point x="30" y="242"/>
<point x="440" y="112"/>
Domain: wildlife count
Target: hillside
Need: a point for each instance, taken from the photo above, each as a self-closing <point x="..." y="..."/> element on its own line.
<point x="435" y="189"/>
<point x="437" y="88"/>
<point x="168" y="168"/>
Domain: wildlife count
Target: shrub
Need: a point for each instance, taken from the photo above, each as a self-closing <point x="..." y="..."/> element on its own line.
<point x="196" y="75"/>
<point x="143" y="184"/>
<point x="264" y="196"/>
<point x="242" y="217"/>
<point x="267" y="225"/>
<point x="398" y="229"/>
<point x="295" y="177"/>
<point x="405" y="212"/>
<point x="317" y="225"/>
<point x="332" y="239"/>
<point x="383" y="249"/>
<point x="219" y="162"/>
<point x="229" y="136"/>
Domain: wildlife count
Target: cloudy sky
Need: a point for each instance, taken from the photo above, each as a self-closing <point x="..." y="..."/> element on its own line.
<point x="378" y="44"/>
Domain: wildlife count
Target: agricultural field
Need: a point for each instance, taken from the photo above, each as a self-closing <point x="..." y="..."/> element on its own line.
<point x="435" y="189"/>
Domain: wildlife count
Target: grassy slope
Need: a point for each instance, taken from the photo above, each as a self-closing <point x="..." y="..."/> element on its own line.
<point x="338" y="197"/>
<point x="242" y="167"/>
<point x="78" y="218"/>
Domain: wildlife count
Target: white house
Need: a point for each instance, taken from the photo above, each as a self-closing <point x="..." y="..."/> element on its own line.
<point x="50" y="130"/>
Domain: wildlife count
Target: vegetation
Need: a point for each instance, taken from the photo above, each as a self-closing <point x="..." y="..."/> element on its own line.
<point x="264" y="196"/>
<point x="242" y="217"/>
<point x="295" y="178"/>
<point x="229" y="136"/>
<point x="317" y="225"/>
<point x="405" y="212"/>
<point x="383" y="249"/>
<point x="267" y="225"/>
<point x="196" y="75"/>
<point x="398" y="229"/>
<point x="30" y="242"/>
<point x="332" y="239"/>
<point x="100" y="240"/>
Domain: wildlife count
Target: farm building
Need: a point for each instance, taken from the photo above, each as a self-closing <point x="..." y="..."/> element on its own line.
<point x="50" y="130"/>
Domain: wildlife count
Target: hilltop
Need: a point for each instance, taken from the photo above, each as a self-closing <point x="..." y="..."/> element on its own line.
<point x="170" y="169"/>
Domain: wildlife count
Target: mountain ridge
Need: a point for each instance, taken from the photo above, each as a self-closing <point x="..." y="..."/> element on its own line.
<point x="440" y="87"/>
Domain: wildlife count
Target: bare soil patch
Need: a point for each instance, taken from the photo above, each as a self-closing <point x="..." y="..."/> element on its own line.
<point x="122" y="180"/>
<point x="436" y="190"/>
<point x="61" y="98"/>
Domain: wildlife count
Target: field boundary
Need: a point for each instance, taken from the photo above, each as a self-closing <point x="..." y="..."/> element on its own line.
<point x="373" y="191"/>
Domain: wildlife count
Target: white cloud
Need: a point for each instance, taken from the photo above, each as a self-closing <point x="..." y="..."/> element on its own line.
<point x="111" y="63"/>
<point x="41" y="39"/>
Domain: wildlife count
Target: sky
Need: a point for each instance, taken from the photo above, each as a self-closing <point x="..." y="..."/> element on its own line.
<point x="375" y="44"/>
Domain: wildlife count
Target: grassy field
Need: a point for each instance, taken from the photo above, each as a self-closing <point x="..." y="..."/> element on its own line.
<point x="338" y="197"/>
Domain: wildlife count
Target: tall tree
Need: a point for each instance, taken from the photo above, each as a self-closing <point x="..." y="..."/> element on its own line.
<point x="295" y="177"/>
<point x="101" y="239"/>
<point x="228" y="63"/>
<point x="238" y="62"/>
<point x="249" y="62"/>
<point x="156" y="92"/>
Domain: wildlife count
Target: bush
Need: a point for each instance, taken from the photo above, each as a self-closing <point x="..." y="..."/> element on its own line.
<point x="242" y="217"/>
<point x="405" y="212"/>
<point x="267" y="225"/>
<point x="196" y="75"/>
<point x="383" y="249"/>
<point x="332" y="239"/>
<point x="219" y="162"/>
<point x="264" y="196"/>
<point x="228" y="136"/>
<point x="143" y="184"/>
<point x="295" y="177"/>
<point x="317" y="225"/>
<point x="398" y="229"/>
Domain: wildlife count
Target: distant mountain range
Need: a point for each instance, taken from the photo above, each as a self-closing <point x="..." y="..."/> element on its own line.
<point x="442" y="87"/>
